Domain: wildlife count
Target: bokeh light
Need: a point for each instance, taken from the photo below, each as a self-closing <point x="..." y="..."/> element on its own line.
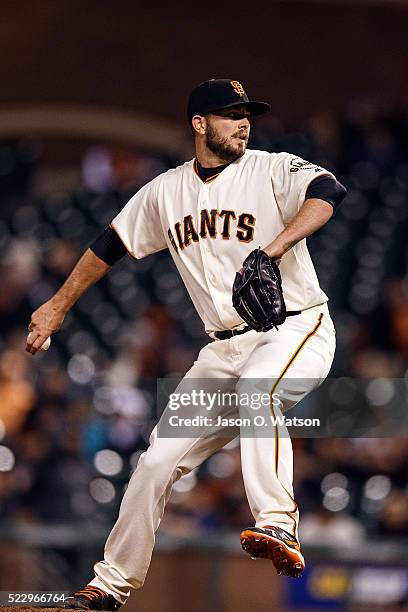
<point x="102" y="490"/>
<point x="108" y="462"/>
<point x="335" y="479"/>
<point x="221" y="465"/>
<point x="185" y="483"/>
<point x="377" y="487"/>
<point x="7" y="459"/>
<point x="336" y="499"/>
<point x="81" y="369"/>
<point x="380" y="391"/>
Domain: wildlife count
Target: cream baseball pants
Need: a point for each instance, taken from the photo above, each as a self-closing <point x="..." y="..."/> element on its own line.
<point x="297" y="358"/>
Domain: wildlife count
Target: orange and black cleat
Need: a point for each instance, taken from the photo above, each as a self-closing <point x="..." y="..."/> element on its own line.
<point x="91" y="598"/>
<point x="276" y="544"/>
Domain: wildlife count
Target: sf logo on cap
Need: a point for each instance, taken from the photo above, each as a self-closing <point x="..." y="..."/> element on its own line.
<point x="238" y="88"/>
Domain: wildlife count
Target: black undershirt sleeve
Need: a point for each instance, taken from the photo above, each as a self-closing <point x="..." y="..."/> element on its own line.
<point x="328" y="189"/>
<point x="108" y="247"/>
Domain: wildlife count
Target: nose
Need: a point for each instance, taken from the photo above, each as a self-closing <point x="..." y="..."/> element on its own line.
<point x="244" y="123"/>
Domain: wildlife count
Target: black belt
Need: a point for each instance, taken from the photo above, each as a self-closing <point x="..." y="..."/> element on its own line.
<point x="226" y="334"/>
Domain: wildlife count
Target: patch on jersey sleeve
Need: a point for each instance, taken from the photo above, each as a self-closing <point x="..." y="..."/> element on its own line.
<point x="297" y="163"/>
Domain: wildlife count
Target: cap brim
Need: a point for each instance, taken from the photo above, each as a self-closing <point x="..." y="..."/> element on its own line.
<point x="258" y="108"/>
<point x="255" y="108"/>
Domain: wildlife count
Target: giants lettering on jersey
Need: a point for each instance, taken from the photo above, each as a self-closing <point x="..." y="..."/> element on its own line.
<point x="212" y="224"/>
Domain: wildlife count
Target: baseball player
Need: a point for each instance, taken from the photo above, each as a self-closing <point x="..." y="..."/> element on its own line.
<point x="211" y="213"/>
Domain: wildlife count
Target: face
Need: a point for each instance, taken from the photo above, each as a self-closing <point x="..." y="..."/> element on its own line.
<point x="227" y="132"/>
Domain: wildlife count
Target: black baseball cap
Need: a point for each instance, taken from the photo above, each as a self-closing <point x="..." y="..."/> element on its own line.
<point x="218" y="94"/>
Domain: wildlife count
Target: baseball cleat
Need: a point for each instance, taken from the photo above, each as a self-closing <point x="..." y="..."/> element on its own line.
<point x="92" y="598"/>
<point x="277" y="545"/>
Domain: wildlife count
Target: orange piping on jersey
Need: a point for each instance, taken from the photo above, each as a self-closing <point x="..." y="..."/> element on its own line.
<point x="210" y="179"/>
<point x="281" y="375"/>
<point x="127" y="250"/>
<point x="195" y="167"/>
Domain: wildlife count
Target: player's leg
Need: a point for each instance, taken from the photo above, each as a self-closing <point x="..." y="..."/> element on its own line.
<point x="288" y="364"/>
<point x="129" y="547"/>
<point x="130" y="544"/>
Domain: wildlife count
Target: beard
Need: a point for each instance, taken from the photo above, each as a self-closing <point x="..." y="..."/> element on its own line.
<point x="223" y="147"/>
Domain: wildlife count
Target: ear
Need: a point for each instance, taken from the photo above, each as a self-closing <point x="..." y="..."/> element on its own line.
<point x="199" y="124"/>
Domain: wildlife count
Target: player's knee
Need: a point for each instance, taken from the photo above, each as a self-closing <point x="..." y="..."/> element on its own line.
<point x="156" y="468"/>
<point x="149" y="462"/>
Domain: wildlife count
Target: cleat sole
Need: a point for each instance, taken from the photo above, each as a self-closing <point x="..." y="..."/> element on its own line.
<point x="287" y="561"/>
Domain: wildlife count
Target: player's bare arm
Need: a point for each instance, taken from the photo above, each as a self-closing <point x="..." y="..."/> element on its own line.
<point x="48" y="318"/>
<point x="313" y="214"/>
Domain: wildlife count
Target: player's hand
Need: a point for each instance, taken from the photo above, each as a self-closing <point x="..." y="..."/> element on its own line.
<point x="46" y="320"/>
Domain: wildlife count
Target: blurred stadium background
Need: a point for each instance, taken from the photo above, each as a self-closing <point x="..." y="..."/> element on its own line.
<point x="91" y="107"/>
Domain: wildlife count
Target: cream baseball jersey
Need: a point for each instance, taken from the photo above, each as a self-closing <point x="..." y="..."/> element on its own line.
<point x="210" y="228"/>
